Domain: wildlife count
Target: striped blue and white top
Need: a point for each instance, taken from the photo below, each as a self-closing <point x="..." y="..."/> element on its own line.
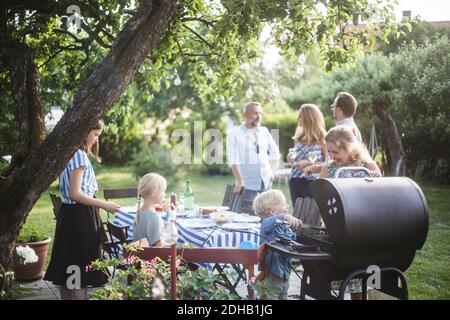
<point x="301" y="153"/>
<point x="88" y="183"/>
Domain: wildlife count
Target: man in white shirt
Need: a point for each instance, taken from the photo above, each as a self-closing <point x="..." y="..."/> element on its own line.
<point x="344" y="108"/>
<point x="252" y="152"/>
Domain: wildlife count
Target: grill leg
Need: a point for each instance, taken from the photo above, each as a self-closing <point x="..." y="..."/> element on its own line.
<point x="317" y="288"/>
<point x="389" y="279"/>
<point x="364" y="288"/>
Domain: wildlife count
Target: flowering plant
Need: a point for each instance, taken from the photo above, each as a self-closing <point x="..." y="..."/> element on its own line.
<point x="263" y="288"/>
<point x="26" y="255"/>
<point x="136" y="279"/>
<point x="133" y="279"/>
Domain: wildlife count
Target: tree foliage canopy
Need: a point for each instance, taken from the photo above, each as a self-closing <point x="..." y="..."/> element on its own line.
<point x="43" y="61"/>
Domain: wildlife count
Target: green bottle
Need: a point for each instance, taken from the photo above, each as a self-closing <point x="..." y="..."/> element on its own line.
<point x="188" y="196"/>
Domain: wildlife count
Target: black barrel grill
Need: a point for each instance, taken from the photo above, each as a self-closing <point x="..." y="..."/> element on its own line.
<point x="368" y="222"/>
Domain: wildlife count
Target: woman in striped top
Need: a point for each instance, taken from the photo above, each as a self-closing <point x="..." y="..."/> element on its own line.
<point x="309" y="138"/>
<point x="78" y="229"/>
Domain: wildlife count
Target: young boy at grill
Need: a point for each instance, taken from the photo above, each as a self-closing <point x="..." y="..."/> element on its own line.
<point x="271" y="206"/>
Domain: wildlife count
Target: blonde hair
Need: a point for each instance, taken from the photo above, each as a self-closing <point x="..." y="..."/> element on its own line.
<point x="267" y="201"/>
<point x="148" y="184"/>
<point x="344" y="138"/>
<point x="313" y="129"/>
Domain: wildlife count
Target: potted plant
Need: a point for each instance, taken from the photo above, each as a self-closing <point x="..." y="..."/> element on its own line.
<point x="30" y="254"/>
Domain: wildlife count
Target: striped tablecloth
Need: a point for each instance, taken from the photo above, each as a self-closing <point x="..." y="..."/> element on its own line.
<point x="214" y="236"/>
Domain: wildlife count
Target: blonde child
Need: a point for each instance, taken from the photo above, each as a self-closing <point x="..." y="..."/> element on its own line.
<point x="344" y="152"/>
<point x="149" y="224"/>
<point x="271" y="206"/>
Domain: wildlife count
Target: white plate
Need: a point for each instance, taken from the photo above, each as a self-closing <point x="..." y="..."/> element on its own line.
<point x="198" y="224"/>
<point x="181" y="214"/>
<point x="246" y="218"/>
<point x="216" y="208"/>
<point x="237" y="226"/>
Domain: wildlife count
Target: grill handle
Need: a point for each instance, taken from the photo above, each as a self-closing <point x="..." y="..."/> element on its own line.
<point x="285" y="251"/>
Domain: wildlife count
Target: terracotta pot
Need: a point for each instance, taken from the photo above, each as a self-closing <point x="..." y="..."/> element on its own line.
<point x="32" y="271"/>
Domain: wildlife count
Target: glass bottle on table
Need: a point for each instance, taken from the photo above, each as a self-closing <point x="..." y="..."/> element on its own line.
<point x="188" y="196"/>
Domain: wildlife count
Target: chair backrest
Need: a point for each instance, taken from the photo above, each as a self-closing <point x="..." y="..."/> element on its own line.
<point x="227" y="196"/>
<point x="57" y="202"/>
<point x="118" y="232"/>
<point x="235" y="200"/>
<point x="246" y="202"/>
<point x="119" y="193"/>
<point x="306" y="210"/>
<point x="113" y="238"/>
<point x="239" y="202"/>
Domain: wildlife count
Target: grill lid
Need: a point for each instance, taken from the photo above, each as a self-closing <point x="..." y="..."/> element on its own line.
<point x="373" y="215"/>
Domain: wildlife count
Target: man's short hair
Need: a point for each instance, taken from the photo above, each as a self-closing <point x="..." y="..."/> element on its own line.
<point x="267" y="201"/>
<point x="251" y="104"/>
<point x="347" y="103"/>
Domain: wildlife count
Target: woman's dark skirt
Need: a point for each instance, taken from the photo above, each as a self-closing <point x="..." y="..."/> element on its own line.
<point x="77" y="243"/>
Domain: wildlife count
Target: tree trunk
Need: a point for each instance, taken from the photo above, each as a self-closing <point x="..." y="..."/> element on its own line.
<point x="100" y="91"/>
<point x="25" y="85"/>
<point x="392" y="139"/>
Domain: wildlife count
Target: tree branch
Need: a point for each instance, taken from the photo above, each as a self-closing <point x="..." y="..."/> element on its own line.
<point x="74" y="37"/>
<point x="50" y="58"/>
<point x="207" y="22"/>
<point x="202" y="39"/>
<point x="179" y="47"/>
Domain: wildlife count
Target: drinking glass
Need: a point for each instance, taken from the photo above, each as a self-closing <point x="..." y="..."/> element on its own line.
<point x="196" y="211"/>
<point x="312" y="156"/>
<point x="181" y="202"/>
<point x="291" y="154"/>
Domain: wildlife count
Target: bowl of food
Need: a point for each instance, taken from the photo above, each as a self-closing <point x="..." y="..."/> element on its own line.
<point x="209" y="210"/>
<point x="222" y="216"/>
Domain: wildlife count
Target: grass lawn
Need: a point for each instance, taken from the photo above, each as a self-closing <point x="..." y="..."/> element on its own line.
<point x="428" y="277"/>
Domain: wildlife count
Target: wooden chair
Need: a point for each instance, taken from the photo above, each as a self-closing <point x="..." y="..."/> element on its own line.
<point x="235" y="201"/>
<point x="57" y="202"/>
<point x="231" y="199"/>
<point x="246" y="202"/>
<point x="306" y="210"/>
<point x="247" y="257"/>
<point x="119" y="193"/>
<point x="227" y="196"/>
<point x="118" y="237"/>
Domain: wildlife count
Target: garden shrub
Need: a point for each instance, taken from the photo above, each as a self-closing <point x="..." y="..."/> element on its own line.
<point x="157" y="158"/>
